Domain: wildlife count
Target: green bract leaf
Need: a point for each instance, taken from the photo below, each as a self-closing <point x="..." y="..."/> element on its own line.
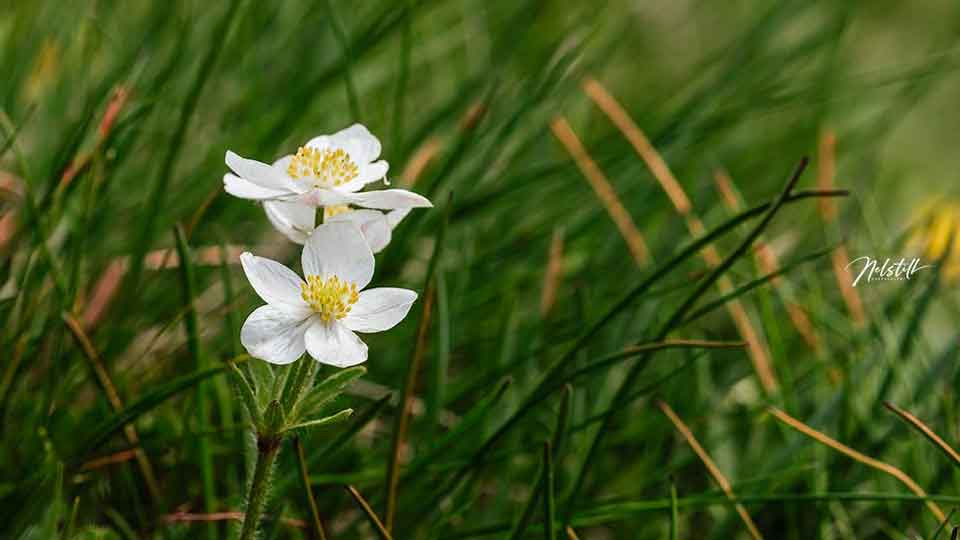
<point x="247" y="394"/>
<point x="342" y="415"/>
<point x="262" y="378"/>
<point x="273" y="419"/>
<point x="328" y="389"/>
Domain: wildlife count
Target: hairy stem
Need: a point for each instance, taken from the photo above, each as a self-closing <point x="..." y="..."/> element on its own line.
<point x="268" y="447"/>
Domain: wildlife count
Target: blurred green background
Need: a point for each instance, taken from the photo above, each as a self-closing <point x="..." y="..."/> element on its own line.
<point x="114" y="120"/>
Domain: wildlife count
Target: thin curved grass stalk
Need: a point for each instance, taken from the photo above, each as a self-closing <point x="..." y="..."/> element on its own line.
<point x="626" y="300"/>
<point x="925" y="430"/>
<point x="674" y="512"/>
<point x="862" y="458"/>
<point x="406" y="402"/>
<point x="661" y="171"/>
<point x="712" y="468"/>
<point x="826" y="171"/>
<point x="308" y="491"/>
<point x="371" y="516"/>
<point x="159" y="186"/>
<point x="192" y="327"/>
<point x="623" y="394"/>
<point x="549" y="506"/>
<point x="943" y="525"/>
<point x="767" y="262"/>
<point x="553" y="274"/>
<point x="605" y="192"/>
<point x="113" y="397"/>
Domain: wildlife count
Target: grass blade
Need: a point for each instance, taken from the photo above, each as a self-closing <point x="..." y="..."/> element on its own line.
<point x="341" y="35"/>
<point x="549" y="507"/>
<point x="712" y="468"/>
<point x="308" y="491"/>
<point x="403" y="417"/>
<point x="853" y="454"/>
<point x="193" y="346"/>
<point x="925" y="430"/>
<point x="160" y="186"/>
<point x="108" y="388"/>
<point x="371" y="516"/>
<point x="623" y="392"/>
<point x="109" y="426"/>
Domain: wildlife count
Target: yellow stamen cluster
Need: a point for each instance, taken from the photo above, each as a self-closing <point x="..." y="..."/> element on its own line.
<point x="330" y="211"/>
<point x="331" y="298"/>
<point x="326" y="168"/>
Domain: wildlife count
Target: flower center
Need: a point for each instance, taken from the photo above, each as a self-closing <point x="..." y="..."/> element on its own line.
<point x="326" y="168"/>
<point x="330" y="298"/>
<point x="330" y="211"/>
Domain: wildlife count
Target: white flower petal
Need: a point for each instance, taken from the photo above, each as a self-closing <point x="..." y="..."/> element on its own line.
<point x="338" y="249"/>
<point x="372" y="172"/>
<point x="324" y="197"/>
<point x="238" y="187"/>
<point x="379" y="309"/>
<point x="356" y="140"/>
<point x="275" y="283"/>
<point x="282" y="163"/>
<point x="359" y="142"/>
<point x="320" y="142"/>
<point x="274" y="335"/>
<point x="388" y="199"/>
<point x="373" y="224"/>
<point x="259" y="173"/>
<point x="335" y="345"/>
<point x="394" y="217"/>
<point x="295" y="220"/>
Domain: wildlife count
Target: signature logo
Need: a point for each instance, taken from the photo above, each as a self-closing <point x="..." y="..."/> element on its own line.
<point x="888" y="270"/>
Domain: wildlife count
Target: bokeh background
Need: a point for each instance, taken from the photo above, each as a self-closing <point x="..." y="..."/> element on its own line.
<point x="114" y="120"/>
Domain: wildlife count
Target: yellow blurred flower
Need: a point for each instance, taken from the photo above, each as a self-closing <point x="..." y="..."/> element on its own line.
<point x="940" y="224"/>
<point x="45" y="69"/>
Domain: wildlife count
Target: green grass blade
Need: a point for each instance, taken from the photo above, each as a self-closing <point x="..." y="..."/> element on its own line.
<point x="201" y="396"/>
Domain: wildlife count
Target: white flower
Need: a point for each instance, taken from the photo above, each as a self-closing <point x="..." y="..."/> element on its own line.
<point x="297" y="220"/>
<point x="329" y="170"/>
<point x="319" y="315"/>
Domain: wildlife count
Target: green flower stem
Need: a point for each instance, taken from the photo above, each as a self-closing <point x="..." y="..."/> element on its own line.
<point x="268" y="448"/>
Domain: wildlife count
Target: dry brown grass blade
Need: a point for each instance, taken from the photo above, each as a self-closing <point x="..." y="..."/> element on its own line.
<point x="605" y="192"/>
<point x="768" y="263"/>
<point x="418" y="162"/>
<point x="924" y="430"/>
<point x="117" y="457"/>
<point x="553" y="274"/>
<point x="571" y="534"/>
<point x="427" y="152"/>
<point x="315" y="523"/>
<point x="117" y="102"/>
<point x="106" y="384"/>
<point x="103" y="292"/>
<point x="371" y="516"/>
<point x="801" y="321"/>
<point x="857" y="456"/>
<point x="725" y="186"/>
<point x="711" y="468"/>
<point x="661" y="171"/>
<point x="826" y="173"/>
<point x="841" y="270"/>
<point x="406" y="406"/>
<point x="10" y="187"/>
<point x="609" y="105"/>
